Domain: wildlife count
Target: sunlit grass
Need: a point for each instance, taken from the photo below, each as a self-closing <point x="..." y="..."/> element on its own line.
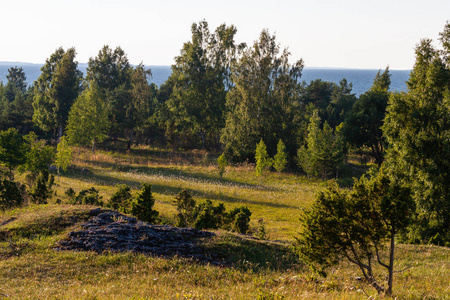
<point x="30" y="267"/>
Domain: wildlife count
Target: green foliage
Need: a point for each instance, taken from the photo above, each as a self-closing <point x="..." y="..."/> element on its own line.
<point x="39" y="156"/>
<point x="355" y="225"/>
<point x="42" y="189"/>
<point x="10" y="195"/>
<point x="263" y="161"/>
<point x="63" y="154"/>
<point x="196" y="104"/>
<point x="208" y="216"/>
<point x="240" y="219"/>
<point x="222" y="163"/>
<point x="12" y="149"/>
<point x="88" y="118"/>
<point x="363" y="125"/>
<point x="260" y="103"/>
<point x="185" y="207"/>
<point x="56" y="89"/>
<point x="280" y="159"/>
<point x="417" y="129"/>
<point x="324" y="151"/>
<point x="121" y="199"/>
<point x="142" y="205"/>
<point x="85" y="197"/>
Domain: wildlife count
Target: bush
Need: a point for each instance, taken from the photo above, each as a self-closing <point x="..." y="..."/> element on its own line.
<point x="85" y="197"/>
<point x="121" y="200"/>
<point x="142" y="205"/>
<point x="222" y="164"/>
<point x="240" y="219"/>
<point x="185" y="207"/>
<point x="209" y="216"/>
<point x="10" y="195"/>
<point x="42" y="189"/>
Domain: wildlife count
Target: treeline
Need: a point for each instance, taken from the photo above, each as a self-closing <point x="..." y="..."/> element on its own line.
<point x="221" y="96"/>
<point x="228" y="97"/>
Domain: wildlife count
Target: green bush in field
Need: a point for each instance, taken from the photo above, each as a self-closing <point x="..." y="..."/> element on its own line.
<point x="121" y="200"/>
<point x="208" y="216"/>
<point x="240" y="219"/>
<point x="185" y="207"/>
<point x="42" y="189"/>
<point x="142" y="205"/>
<point x="222" y="164"/>
<point x="10" y="195"/>
<point x="85" y="197"/>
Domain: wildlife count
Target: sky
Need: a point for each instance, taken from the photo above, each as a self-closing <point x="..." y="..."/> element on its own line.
<point x="324" y="33"/>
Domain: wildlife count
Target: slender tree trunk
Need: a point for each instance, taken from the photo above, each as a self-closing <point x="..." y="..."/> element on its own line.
<point x="391" y="266"/>
<point x="93" y="146"/>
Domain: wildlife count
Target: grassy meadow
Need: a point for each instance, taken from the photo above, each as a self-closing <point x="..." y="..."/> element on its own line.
<point x="30" y="267"/>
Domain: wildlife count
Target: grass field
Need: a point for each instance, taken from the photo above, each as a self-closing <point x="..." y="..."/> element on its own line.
<point x="258" y="269"/>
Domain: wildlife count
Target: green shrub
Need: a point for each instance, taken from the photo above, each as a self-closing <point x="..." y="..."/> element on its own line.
<point x="185" y="207"/>
<point x="42" y="189"/>
<point x="121" y="200"/>
<point x="10" y="195"/>
<point x="142" y="205"/>
<point x="86" y="197"/>
<point x="239" y="219"/>
<point x="209" y="216"/>
<point x="222" y="164"/>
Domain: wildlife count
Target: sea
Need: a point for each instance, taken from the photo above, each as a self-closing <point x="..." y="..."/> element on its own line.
<point x="361" y="79"/>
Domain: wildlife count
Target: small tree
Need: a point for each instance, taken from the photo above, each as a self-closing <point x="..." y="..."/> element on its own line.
<point x="185" y="207"/>
<point x="10" y="195"/>
<point x="142" y="205"/>
<point x="356" y="225"/>
<point x="263" y="160"/>
<point x="222" y="164"/>
<point x="63" y="155"/>
<point x="38" y="158"/>
<point x="280" y="159"/>
<point x="42" y="189"/>
<point x="12" y="150"/>
<point x="121" y="199"/>
<point x="240" y="219"/>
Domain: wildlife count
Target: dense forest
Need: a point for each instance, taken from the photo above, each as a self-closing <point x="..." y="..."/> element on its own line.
<point x="249" y="103"/>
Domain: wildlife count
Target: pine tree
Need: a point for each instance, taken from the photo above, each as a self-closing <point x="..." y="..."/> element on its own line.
<point x="280" y="159"/>
<point x="263" y="161"/>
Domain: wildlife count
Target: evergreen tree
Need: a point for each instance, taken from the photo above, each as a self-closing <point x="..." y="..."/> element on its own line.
<point x="417" y="129"/>
<point x="63" y="155"/>
<point x="142" y="205"/>
<point x="12" y="150"/>
<point x="324" y="150"/>
<point x="263" y="161"/>
<point x="280" y="160"/>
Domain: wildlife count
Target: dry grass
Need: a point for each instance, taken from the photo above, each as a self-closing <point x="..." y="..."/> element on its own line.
<point x="30" y="268"/>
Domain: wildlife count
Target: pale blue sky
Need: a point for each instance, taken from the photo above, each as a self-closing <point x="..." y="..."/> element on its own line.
<point x="325" y="33"/>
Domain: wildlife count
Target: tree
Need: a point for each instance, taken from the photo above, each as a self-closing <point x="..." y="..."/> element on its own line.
<point x="63" y="155"/>
<point x="185" y="207"/>
<point x="222" y="163"/>
<point x="324" y="150"/>
<point x="417" y="129"/>
<point x="355" y="225"/>
<point x="202" y="76"/>
<point x="88" y="118"/>
<point x="12" y="150"/>
<point x="55" y="90"/>
<point x="263" y="161"/>
<point x="142" y="205"/>
<point x="137" y="110"/>
<point x="363" y="126"/>
<point x="111" y="72"/>
<point x="38" y="157"/>
<point x="280" y="159"/>
<point x="17" y="83"/>
<point x="259" y="103"/>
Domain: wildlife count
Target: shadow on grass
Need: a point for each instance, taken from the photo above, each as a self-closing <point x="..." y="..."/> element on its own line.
<point x="249" y="253"/>
<point x="180" y="174"/>
<point x="166" y="189"/>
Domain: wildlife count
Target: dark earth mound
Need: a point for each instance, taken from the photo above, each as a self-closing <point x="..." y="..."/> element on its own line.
<point x="111" y="231"/>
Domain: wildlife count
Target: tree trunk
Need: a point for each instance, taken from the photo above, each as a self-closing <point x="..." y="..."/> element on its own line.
<point x="93" y="146"/>
<point x="391" y="266"/>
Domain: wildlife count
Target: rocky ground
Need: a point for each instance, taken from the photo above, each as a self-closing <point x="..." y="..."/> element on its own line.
<point x="111" y="231"/>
